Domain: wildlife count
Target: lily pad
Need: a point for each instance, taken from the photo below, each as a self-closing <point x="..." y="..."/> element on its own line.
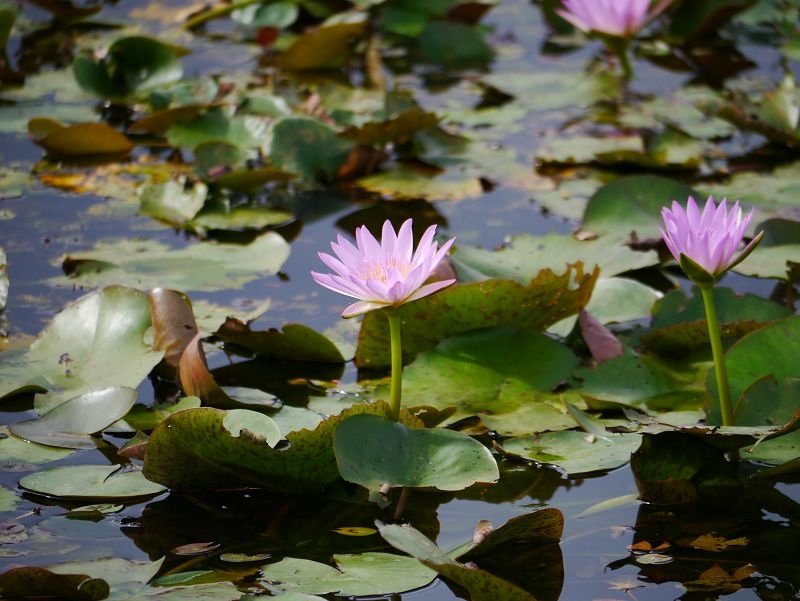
<point x="3" y="280"/>
<point x="326" y="47"/>
<point x="778" y="255"/>
<point x="293" y="342"/>
<point x="492" y="372"/>
<point x="202" y="266"/>
<point x="95" y="342"/>
<point x="79" y="140"/>
<point x="435" y="457"/>
<point x="482" y="585"/>
<point x="770" y="351"/>
<point x="70" y="424"/>
<point x="574" y="452"/>
<point x="17" y="454"/>
<point x="172" y="202"/>
<point x="34" y="582"/>
<point x="192" y="450"/>
<point x="526" y="255"/>
<point x="424" y="323"/>
<point x="220" y="126"/>
<point x="679" y="324"/>
<point x="90" y="482"/>
<point x="355" y="575"/>
<point x="629" y="208"/>
<point x="130" y="65"/>
<point x="308" y="148"/>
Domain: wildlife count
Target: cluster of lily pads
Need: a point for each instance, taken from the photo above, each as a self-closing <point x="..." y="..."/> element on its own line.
<point x="549" y="351"/>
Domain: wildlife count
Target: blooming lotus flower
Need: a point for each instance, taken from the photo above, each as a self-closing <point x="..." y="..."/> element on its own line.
<point x="705" y="243"/>
<point x="386" y="273"/>
<point x="616" y="18"/>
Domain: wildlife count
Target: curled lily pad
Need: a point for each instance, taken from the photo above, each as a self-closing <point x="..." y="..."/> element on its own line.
<point x="90" y="482"/>
<point x="293" y="342"/>
<point x="70" y="424"/>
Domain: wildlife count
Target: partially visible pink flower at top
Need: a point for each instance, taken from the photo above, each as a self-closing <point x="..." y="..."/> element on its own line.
<point x="710" y="239"/>
<point x="618" y="18"/>
<point x="386" y="273"/>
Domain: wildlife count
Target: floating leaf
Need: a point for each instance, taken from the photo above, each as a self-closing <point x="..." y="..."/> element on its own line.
<point x="355" y="531"/>
<point x="308" y="148"/>
<point x="576" y="452"/>
<point x="293" y="342"/>
<point x="33" y="582"/>
<point x="147" y="418"/>
<point x="679" y="324"/>
<point x="461" y="308"/>
<point x="95" y="342"/>
<point x="435" y="457"/>
<point x="778" y="255"/>
<point x="307" y="464"/>
<point x="397" y="130"/>
<point x="70" y="423"/>
<point x="771" y="350"/>
<point x="482" y="585"/>
<point x="355" y="575"/>
<point x="18" y="455"/>
<point x="8" y="499"/>
<point x="717" y="579"/>
<point x="629" y="208"/>
<point x="454" y="45"/>
<point x="202" y="266"/>
<point x="195" y="549"/>
<point x="90" y="482"/>
<point x="172" y="202"/>
<point x="525" y="256"/>
<point x="326" y="47"/>
<point x="493" y="372"/>
<point x="217" y="125"/>
<point x="80" y="140"/>
<point x="130" y="65"/>
<point x="716" y="544"/>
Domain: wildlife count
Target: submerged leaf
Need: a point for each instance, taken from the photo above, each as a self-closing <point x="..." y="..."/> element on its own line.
<point x="34" y="582"/>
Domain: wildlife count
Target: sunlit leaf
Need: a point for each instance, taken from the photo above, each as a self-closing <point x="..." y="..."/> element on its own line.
<point x="90" y="482"/>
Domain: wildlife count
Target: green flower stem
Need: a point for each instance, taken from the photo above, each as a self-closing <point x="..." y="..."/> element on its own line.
<point x="397" y="362"/>
<point x="625" y="63"/>
<point x="726" y="408"/>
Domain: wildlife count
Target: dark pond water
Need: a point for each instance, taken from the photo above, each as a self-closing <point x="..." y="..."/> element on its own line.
<point x="42" y="223"/>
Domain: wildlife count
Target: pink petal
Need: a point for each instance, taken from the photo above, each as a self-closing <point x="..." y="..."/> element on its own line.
<point x="361" y="307"/>
<point x="428" y="289"/>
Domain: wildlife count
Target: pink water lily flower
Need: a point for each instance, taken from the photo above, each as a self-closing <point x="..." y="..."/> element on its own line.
<point x="618" y="18"/>
<point x="386" y="273"/>
<point x="708" y="239"/>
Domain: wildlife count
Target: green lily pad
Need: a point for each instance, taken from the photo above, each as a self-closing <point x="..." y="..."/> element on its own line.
<point x="526" y="255"/>
<point x="778" y="255"/>
<point x="147" y="418"/>
<point x="630" y="207"/>
<point x="435" y="457"/>
<point x="90" y="482"/>
<point x="218" y="125"/>
<point x="70" y="424"/>
<point x="326" y="47"/>
<point x="131" y="65"/>
<point x="411" y="182"/>
<point x="397" y="130"/>
<point x="202" y="266"/>
<point x="8" y="499"/>
<point x="113" y="570"/>
<point x="192" y="450"/>
<point x="574" y="452"/>
<point x="614" y="300"/>
<point x="633" y="380"/>
<point x="18" y="455"/>
<point x="355" y="575"/>
<point x="482" y="585"/>
<point x="95" y="342"/>
<point x="492" y="372"/>
<point x="772" y="403"/>
<point x="551" y="90"/>
<point x="770" y="351"/>
<point x="541" y="526"/>
<point x="424" y="323"/>
<point x="171" y="202"/>
<point x="293" y="342"/>
<point x="679" y="325"/>
<point x="454" y="45"/>
<point x="34" y="582"/>
<point x="308" y="148"/>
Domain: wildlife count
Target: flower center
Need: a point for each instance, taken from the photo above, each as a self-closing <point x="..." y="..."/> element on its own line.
<point x="384" y="268"/>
